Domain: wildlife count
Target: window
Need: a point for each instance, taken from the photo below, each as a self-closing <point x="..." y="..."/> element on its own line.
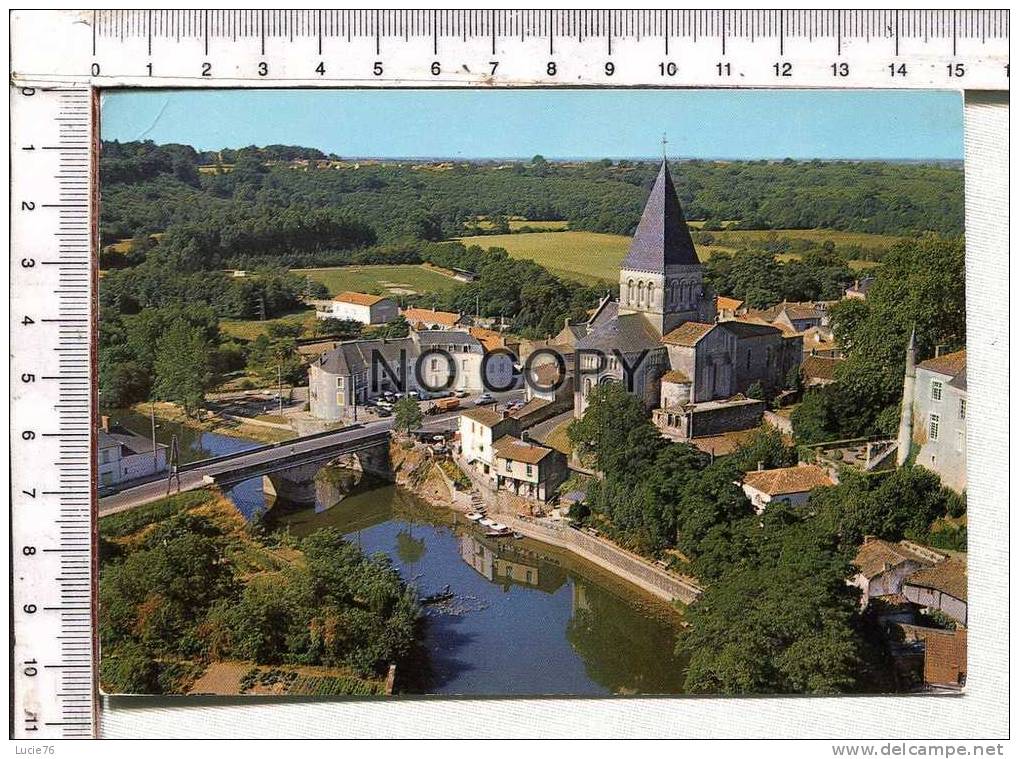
<point x="935" y="390"/>
<point x="509" y="465"/>
<point x="932" y="426"/>
<point x="530" y="469"/>
<point x="962" y="408"/>
<point x="435" y="364"/>
<point x="960" y="440"/>
<point x="749" y="355"/>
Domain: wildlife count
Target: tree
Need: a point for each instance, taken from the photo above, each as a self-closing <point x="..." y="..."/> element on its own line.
<point x="784" y="622"/>
<point x="407" y="414"/>
<point x="182" y="367"/>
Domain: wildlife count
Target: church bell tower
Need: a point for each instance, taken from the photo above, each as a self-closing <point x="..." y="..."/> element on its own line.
<point x="661" y="276"/>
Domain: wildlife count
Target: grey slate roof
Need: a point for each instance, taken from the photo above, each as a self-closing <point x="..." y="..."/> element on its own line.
<point x="628" y="332"/>
<point x="662" y="237"/>
<point x="354" y="357"/>
<point x="430" y="338"/>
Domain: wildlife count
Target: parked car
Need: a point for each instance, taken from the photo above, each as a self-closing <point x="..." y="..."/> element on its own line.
<point x="383" y="411"/>
<point x="461" y="393"/>
<point x="415" y="395"/>
<point x="514" y="405"/>
<point x="484" y="399"/>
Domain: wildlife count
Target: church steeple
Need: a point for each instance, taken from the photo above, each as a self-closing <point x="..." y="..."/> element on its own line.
<point x="661" y="276"/>
<point x="662" y="238"/>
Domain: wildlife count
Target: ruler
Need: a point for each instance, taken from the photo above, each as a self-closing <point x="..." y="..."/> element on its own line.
<point x="959" y="49"/>
<point x="59" y="60"/>
<point x="51" y="439"/>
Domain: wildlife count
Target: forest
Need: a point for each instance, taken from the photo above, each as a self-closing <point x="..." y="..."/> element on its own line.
<point x="149" y="188"/>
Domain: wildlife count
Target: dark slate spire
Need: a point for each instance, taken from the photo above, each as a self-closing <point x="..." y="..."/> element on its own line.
<point x="662" y="237"/>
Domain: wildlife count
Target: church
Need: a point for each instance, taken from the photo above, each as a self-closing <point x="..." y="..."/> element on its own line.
<point x="693" y="368"/>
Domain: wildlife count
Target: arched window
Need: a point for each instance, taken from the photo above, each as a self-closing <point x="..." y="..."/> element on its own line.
<point x="651" y="294"/>
<point x="629" y="292"/>
<point x="640" y="293"/>
<point x="674" y="292"/>
<point x="587" y="387"/>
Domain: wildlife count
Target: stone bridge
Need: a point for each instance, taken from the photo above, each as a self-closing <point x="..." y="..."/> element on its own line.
<point x="290" y="474"/>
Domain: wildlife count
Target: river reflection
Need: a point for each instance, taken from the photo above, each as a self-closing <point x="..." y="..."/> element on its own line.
<point x="523" y="619"/>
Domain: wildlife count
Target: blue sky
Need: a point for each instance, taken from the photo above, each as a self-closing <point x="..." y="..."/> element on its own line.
<point x="899" y="124"/>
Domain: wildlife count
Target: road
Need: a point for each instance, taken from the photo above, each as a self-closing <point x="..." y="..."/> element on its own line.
<point x="191" y="479"/>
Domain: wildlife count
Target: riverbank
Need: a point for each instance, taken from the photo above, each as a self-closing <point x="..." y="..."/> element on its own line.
<point x="426" y="479"/>
<point x="233" y="426"/>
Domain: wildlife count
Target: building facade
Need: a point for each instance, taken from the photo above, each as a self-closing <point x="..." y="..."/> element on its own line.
<point x="939" y="417"/>
<point x="361" y="307"/>
<point x="125" y="455"/>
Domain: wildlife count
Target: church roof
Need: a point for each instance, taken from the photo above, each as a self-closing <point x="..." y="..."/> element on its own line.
<point x="662" y="237"/>
<point x="628" y="332"/>
<point x="688" y="334"/>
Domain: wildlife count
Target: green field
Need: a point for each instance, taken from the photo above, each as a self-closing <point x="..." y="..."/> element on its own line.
<point x="407" y="279"/>
<point x="583" y="256"/>
<point x="249" y="329"/>
<point x="591" y="256"/>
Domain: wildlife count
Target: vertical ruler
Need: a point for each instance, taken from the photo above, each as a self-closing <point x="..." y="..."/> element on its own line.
<point x="51" y="404"/>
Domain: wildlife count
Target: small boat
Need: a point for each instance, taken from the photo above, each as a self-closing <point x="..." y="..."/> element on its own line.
<point x="487" y="522"/>
<point x="517" y="536"/>
<point x="475" y="516"/>
<point x="500" y="528"/>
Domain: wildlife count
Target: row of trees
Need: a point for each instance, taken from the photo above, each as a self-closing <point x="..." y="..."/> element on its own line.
<point x="182" y="594"/>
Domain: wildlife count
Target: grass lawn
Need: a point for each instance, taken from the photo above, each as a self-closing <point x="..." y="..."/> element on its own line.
<point x="583" y="256"/>
<point x="406" y="279"/>
<point x="249" y="329"/>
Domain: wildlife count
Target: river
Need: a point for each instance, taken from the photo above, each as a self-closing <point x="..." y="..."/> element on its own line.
<point x="525" y="618"/>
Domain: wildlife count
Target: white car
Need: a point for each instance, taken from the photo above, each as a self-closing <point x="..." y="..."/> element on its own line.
<point x="484" y="399"/>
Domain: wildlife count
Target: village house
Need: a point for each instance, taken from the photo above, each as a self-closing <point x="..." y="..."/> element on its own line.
<point x="427" y="318"/>
<point x="791" y="484"/>
<point x="479" y="428"/>
<point x="941" y="587"/>
<point x="528" y="469"/>
<point x="125" y="455"/>
<point x="361" y="307"/>
<point x="728" y="308"/>
<point x="883" y="566"/>
<point x="354" y="372"/>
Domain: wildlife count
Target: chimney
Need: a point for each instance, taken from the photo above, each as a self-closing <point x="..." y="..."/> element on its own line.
<point x="104" y="423"/>
<point x="505" y="414"/>
<point x="567" y="323"/>
<point x="760" y="466"/>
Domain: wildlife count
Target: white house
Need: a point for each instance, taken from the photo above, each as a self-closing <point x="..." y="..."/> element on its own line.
<point x="361" y="307"/>
<point x="792" y="484"/>
<point x="125" y="455"/>
<point x="480" y="428"/>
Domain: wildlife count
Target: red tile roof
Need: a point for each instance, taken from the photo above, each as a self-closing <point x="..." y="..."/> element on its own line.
<point x="819" y="367"/>
<point x="948" y="576"/>
<point x="359" y="299"/>
<point x="949" y="364"/>
<point x="428" y="316"/>
<point x="514" y="449"/>
<point x="944" y="661"/>
<point x="674" y="375"/>
<point x="790" y="479"/>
